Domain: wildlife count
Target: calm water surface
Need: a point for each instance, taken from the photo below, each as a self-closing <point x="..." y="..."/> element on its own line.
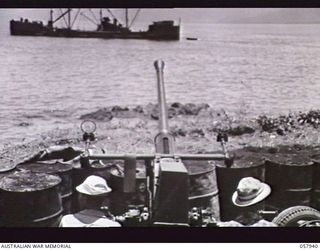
<point x="50" y="82"/>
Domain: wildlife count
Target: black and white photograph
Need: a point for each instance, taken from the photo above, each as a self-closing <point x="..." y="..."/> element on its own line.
<point x="159" y="117"/>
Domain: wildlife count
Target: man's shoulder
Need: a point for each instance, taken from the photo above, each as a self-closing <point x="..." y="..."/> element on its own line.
<point x="68" y="220"/>
<point x="231" y="223"/>
<point x="260" y="223"/>
<point x="87" y="218"/>
<point x="264" y="223"/>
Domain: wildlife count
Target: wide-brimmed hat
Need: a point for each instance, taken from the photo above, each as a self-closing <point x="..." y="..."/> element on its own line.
<point x="94" y="185"/>
<point x="250" y="191"/>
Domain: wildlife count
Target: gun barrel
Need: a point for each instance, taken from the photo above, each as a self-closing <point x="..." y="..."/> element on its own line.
<point x="163" y="110"/>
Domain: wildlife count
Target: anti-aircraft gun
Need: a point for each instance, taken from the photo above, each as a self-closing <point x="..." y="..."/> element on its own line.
<point x="167" y="176"/>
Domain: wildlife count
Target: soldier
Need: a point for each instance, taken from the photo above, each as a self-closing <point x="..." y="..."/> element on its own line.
<point x="250" y="191"/>
<point x="92" y="193"/>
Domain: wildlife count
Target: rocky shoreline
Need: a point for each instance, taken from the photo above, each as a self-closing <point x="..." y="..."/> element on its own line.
<point x="195" y="127"/>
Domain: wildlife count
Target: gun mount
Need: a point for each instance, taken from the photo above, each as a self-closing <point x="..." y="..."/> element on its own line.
<point x="168" y="181"/>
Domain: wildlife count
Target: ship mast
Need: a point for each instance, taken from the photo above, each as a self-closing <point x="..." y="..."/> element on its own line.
<point x="51" y="15"/>
<point x="69" y="19"/>
<point x="137" y="13"/>
<point x="68" y="24"/>
<point x="127" y="19"/>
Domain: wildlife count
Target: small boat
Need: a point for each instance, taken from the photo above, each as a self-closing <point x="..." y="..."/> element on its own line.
<point x="192" y="38"/>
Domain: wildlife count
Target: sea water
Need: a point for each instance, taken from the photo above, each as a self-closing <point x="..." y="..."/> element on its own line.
<point x="48" y="83"/>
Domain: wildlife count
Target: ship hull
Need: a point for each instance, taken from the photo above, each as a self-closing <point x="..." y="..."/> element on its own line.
<point x="18" y="28"/>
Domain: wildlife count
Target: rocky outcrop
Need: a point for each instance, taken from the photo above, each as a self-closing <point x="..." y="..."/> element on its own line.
<point x="240" y="130"/>
<point x="176" y="109"/>
<point x="103" y="114"/>
<point x="284" y="124"/>
<point x="150" y="111"/>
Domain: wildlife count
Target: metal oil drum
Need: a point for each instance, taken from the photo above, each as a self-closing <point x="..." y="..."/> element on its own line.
<point x="315" y="195"/>
<point x="203" y="190"/>
<point x="6" y="170"/>
<point x="120" y="201"/>
<point x="30" y="200"/>
<point x="290" y="179"/>
<point x="103" y="169"/>
<point x="228" y="180"/>
<point x="63" y="170"/>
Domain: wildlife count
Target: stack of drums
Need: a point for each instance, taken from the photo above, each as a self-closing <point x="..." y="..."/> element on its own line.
<point x="290" y="178"/>
<point x="63" y="170"/>
<point x="30" y="200"/>
<point x="228" y="180"/>
<point x="203" y="191"/>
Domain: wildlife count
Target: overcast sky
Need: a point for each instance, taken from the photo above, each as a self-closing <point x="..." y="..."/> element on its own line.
<point x="194" y="15"/>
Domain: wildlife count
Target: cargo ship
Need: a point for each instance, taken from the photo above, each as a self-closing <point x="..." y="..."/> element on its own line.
<point x="107" y="28"/>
